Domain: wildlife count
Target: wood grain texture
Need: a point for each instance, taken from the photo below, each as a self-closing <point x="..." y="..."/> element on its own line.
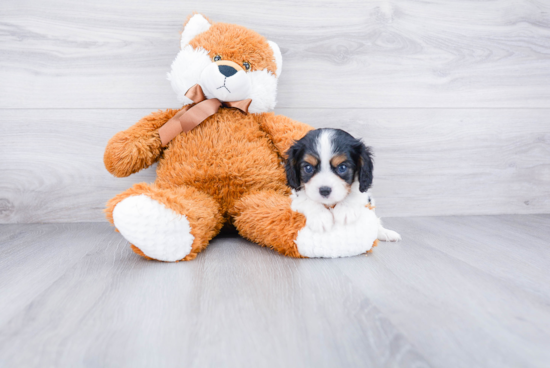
<point x="460" y="287"/>
<point x="428" y="161"/>
<point x="111" y="308"/>
<point x="457" y="292"/>
<point x="338" y="54"/>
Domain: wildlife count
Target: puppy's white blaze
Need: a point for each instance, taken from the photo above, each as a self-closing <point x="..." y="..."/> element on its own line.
<point x="325" y="177"/>
<point x="325" y="150"/>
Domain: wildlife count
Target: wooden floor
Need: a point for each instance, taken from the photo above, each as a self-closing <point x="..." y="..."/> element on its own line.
<point x="457" y="292"/>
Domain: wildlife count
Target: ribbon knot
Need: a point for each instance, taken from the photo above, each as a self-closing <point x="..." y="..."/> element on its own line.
<point x="190" y="117"/>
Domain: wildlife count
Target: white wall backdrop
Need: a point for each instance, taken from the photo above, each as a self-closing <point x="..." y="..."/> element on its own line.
<point x="454" y="96"/>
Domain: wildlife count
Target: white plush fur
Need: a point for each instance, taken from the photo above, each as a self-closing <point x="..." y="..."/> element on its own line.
<point x="157" y="231"/>
<point x="196" y="25"/>
<point x="278" y="57"/>
<point x="264" y="91"/>
<point x="216" y="85"/>
<point x="326" y="238"/>
<point x="186" y="71"/>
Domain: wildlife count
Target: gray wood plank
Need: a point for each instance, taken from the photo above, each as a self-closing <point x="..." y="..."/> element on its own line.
<point x="236" y="305"/>
<point x="345" y="54"/>
<point x="428" y="162"/>
<point x="476" y="285"/>
<point x="54" y="167"/>
<point x="34" y="258"/>
<point x="457" y="292"/>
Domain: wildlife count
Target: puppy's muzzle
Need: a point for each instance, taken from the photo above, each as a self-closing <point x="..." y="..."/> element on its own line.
<point x="325" y="191"/>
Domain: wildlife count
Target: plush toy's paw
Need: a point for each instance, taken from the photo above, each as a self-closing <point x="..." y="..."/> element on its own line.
<point x="341" y="240"/>
<point x="320" y="221"/>
<point x="346" y="214"/>
<point x="388" y="235"/>
<point x="157" y="231"/>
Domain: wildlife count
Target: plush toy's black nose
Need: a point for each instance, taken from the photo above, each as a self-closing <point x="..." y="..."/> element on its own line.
<point x="227" y="70"/>
<point x="325" y="191"/>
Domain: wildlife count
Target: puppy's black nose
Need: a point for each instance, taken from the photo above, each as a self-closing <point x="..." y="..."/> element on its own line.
<point x="325" y="191"/>
<point x="227" y="70"/>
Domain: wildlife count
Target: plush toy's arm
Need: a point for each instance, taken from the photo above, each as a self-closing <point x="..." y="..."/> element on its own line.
<point x="137" y="147"/>
<point x="283" y="131"/>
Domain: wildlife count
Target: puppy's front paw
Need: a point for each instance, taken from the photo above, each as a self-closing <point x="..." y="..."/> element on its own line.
<point x="345" y="214"/>
<point x="320" y="221"/>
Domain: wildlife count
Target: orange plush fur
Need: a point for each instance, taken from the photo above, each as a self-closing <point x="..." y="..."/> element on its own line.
<point x="248" y="46"/>
<point x="204" y="172"/>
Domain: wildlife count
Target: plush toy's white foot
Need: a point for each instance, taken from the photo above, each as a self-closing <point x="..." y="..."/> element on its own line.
<point x="157" y="231"/>
<point x="342" y="240"/>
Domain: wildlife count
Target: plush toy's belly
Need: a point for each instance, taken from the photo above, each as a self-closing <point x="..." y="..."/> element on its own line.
<point x="226" y="156"/>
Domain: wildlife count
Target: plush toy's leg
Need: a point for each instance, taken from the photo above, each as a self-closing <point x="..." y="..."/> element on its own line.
<point x="266" y="218"/>
<point x="165" y="224"/>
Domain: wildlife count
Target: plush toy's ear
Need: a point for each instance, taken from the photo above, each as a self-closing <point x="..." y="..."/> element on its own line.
<point x="291" y="166"/>
<point x="278" y="56"/>
<point x="365" y="168"/>
<point x="195" y="25"/>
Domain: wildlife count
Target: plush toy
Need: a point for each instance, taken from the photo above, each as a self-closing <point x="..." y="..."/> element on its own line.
<point x="220" y="157"/>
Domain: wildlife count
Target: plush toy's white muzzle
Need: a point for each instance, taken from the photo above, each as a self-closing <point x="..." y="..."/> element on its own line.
<point x="225" y="82"/>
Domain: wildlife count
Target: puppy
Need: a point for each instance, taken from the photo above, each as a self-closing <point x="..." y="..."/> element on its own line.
<point x="330" y="173"/>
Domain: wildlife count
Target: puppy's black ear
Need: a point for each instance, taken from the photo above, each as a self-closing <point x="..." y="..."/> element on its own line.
<point x="365" y="167"/>
<point x="291" y="165"/>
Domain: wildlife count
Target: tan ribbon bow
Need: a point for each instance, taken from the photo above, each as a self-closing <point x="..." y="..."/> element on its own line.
<point x="190" y="117"/>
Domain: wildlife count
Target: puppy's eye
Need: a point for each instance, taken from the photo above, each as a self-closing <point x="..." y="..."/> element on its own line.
<point x="342" y="169"/>
<point x="308" y="169"/>
<point x="246" y="65"/>
<point x="217" y="58"/>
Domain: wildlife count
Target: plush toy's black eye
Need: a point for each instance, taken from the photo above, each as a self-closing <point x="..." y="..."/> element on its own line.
<point x="217" y="58"/>
<point x="308" y="169"/>
<point x="342" y="169"/>
<point x="246" y="65"/>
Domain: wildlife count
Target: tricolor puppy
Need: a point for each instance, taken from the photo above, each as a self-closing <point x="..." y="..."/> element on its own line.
<point x="330" y="173"/>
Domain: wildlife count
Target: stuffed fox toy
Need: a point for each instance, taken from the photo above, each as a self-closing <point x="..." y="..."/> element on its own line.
<point x="220" y="157"/>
